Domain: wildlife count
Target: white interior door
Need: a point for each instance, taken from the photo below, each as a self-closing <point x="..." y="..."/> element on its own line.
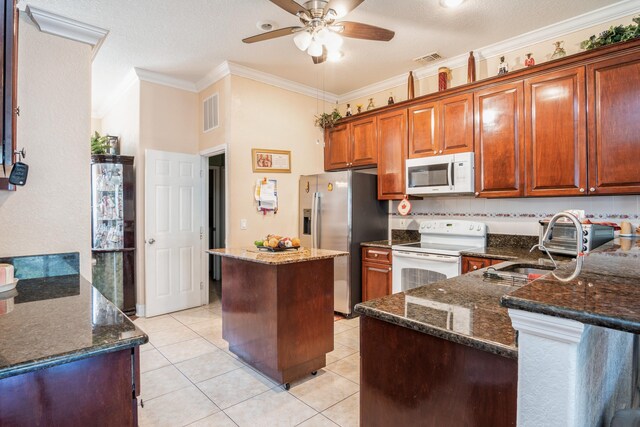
<point x="173" y="229"/>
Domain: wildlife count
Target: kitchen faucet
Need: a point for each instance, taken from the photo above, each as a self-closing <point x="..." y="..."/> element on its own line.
<point x="579" y="248"/>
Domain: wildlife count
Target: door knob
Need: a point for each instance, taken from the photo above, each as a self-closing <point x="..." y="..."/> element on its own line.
<point x="151" y="241"/>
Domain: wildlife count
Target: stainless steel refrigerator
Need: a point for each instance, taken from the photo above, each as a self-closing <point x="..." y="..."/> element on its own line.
<point x="338" y="211"/>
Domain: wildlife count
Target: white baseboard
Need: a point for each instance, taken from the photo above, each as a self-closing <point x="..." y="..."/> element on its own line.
<point x="140" y="310"/>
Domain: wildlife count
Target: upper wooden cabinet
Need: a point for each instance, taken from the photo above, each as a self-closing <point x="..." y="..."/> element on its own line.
<point x="555" y="134"/>
<point x="392" y="153"/>
<point x="351" y="145"/>
<point x="499" y="141"/>
<point x="613" y="92"/>
<point x="441" y="127"/>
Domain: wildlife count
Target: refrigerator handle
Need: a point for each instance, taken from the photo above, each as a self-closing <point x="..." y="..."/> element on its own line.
<point x="314" y="220"/>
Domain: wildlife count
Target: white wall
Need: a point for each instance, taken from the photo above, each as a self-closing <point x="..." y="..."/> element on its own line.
<point x="51" y="214"/>
<point x="515" y="216"/>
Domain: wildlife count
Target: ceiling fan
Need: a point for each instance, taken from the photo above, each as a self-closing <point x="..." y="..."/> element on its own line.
<point x="320" y="34"/>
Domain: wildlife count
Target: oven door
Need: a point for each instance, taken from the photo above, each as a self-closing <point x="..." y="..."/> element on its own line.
<point x="414" y="269"/>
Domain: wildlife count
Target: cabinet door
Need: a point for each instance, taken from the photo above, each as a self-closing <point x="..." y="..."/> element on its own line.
<point x="392" y="152"/>
<point x="456" y="124"/>
<point x="613" y="91"/>
<point x="499" y="141"/>
<point x="364" y="146"/>
<point x="472" y="264"/>
<point x="336" y="147"/>
<point x="555" y="134"/>
<point x="424" y="131"/>
<point x="376" y="280"/>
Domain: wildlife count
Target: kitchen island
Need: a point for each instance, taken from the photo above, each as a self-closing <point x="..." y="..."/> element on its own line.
<point x="277" y="309"/>
<point x="68" y="356"/>
<point x="451" y="354"/>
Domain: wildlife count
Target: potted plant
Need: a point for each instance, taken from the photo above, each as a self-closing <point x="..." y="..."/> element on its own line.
<point x="328" y="120"/>
<point x="615" y="34"/>
<point x="99" y="143"/>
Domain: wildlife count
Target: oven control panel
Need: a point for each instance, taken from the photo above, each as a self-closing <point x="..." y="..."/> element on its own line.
<point x="453" y="227"/>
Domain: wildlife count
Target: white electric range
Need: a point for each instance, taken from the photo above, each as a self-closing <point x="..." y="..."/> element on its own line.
<point x="437" y="256"/>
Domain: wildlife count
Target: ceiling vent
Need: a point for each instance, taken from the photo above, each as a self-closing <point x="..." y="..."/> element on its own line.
<point x="430" y="57"/>
<point x="210" y="113"/>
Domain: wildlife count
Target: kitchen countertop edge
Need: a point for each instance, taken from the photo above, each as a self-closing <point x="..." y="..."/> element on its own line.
<point x="276" y="258"/>
<point x="497" y="349"/>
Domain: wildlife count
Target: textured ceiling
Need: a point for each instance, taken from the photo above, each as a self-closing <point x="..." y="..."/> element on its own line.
<point x="186" y="39"/>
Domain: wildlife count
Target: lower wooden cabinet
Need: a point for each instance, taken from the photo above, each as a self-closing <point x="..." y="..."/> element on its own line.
<point x="376" y="273"/>
<point x="475" y="263"/>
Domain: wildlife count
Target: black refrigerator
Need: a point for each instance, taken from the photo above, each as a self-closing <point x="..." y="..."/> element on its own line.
<point x="113" y="229"/>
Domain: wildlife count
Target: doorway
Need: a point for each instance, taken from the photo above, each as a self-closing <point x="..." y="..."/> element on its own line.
<point x="216" y="223"/>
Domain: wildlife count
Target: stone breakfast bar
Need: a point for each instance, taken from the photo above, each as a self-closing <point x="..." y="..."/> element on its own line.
<point x="277" y="309"/>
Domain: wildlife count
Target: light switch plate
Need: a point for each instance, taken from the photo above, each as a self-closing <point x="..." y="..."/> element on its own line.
<point x="243" y="224"/>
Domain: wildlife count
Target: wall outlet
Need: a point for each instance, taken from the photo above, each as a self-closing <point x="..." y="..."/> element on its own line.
<point x="243" y="224"/>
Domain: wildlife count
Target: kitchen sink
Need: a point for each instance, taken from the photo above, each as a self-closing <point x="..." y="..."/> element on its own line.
<point x="519" y="273"/>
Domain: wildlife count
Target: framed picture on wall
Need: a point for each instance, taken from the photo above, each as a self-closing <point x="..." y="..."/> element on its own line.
<point x="273" y="161"/>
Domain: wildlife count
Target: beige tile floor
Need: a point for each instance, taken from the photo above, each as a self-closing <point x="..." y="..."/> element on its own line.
<point x="189" y="377"/>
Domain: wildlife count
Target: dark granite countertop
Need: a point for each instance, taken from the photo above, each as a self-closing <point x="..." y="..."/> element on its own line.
<point x="606" y="293"/>
<point x="464" y="309"/>
<point x="386" y="243"/>
<point x="54" y="320"/>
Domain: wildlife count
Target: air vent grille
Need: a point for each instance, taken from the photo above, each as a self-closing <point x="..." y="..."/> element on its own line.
<point x="430" y="57"/>
<point x="210" y="113"/>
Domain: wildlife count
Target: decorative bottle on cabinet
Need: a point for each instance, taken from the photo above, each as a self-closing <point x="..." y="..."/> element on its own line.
<point x="113" y="229"/>
<point x="410" y="89"/>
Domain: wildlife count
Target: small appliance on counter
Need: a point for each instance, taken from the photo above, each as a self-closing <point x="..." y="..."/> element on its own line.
<point x="563" y="238"/>
<point x="437" y="256"/>
<point x="7" y="278"/>
<point x="437" y="175"/>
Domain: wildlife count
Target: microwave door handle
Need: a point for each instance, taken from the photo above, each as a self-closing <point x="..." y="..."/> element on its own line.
<point x="450" y="172"/>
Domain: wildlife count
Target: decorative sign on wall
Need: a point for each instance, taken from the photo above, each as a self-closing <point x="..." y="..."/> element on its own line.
<point x="271" y="160"/>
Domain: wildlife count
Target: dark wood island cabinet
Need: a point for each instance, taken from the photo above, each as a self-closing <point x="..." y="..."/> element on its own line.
<point x="277" y="309"/>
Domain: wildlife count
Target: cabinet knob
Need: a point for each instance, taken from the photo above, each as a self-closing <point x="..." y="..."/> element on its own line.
<point x="375" y="255"/>
<point x="440" y="151"/>
<point x="582" y="190"/>
<point x="475" y="267"/>
<point x="389" y="268"/>
<point x="477" y="194"/>
<point x="435" y="151"/>
<point x="592" y="189"/>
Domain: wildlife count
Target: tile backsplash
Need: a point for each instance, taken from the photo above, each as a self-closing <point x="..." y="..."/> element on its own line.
<point x="515" y="216"/>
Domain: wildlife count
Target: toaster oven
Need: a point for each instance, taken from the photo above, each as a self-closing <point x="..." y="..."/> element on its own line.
<point x="563" y="237"/>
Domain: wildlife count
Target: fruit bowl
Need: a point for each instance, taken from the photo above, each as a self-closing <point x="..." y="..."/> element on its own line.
<point x="270" y="249"/>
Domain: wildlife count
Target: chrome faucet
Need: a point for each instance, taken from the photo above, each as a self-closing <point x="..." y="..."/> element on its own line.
<point x="579" y="247"/>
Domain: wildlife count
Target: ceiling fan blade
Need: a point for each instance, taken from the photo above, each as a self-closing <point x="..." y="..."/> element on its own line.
<point x="290" y="6"/>
<point x="358" y="30"/>
<point x="342" y="7"/>
<point x="271" y="35"/>
<point x="320" y="59"/>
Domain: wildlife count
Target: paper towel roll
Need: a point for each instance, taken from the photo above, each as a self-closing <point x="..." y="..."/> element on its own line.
<point x="6" y="274"/>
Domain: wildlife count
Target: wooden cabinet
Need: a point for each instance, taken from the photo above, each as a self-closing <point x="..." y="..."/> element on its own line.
<point x="613" y="92"/>
<point x="9" y="68"/>
<point x="475" y="263"/>
<point x="351" y="145"/>
<point x="499" y="141"/>
<point x="441" y="127"/>
<point x="392" y="153"/>
<point x="376" y="273"/>
<point x="555" y="134"/>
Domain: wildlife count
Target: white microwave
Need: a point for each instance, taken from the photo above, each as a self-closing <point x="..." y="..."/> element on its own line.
<point x="447" y="174"/>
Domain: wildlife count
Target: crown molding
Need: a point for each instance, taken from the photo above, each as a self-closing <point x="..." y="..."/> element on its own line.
<point x="231" y="68"/>
<point x="68" y="28"/>
<point x="165" y="80"/>
<point x="577" y="23"/>
<point x="129" y="80"/>
<point x="215" y="75"/>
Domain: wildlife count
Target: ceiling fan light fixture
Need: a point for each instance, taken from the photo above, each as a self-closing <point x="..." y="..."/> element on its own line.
<point x="334" y="55"/>
<point x="451" y="3"/>
<point x="302" y="40"/>
<point x="333" y="41"/>
<point x="321" y="35"/>
<point x="315" y="48"/>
